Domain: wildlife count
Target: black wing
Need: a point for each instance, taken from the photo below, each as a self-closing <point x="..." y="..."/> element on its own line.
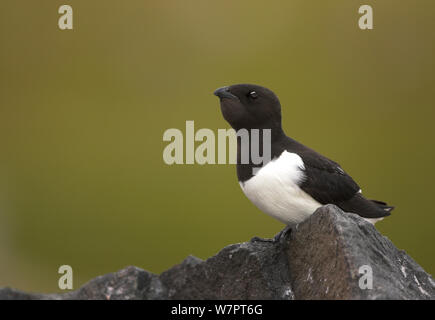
<point x="327" y="183"/>
<point x="325" y="180"/>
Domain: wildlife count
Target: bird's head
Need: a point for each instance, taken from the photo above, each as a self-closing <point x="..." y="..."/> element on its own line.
<point x="250" y="106"/>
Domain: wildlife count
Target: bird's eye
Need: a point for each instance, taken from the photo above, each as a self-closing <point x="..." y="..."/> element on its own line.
<point x="253" y="94"/>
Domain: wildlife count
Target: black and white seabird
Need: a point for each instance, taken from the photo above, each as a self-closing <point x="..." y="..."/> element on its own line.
<point x="297" y="180"/>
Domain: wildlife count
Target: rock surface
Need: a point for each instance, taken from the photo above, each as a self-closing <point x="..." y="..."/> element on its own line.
<point x="319" y="259"/>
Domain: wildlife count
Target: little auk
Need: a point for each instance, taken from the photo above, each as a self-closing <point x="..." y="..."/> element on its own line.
<point x="297" y="180"/>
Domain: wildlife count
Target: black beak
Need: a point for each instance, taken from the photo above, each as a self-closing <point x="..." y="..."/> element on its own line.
<point x="224" y="92"/>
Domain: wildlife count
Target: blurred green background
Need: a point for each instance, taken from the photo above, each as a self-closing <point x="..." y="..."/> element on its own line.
<point x="82" y="114"/>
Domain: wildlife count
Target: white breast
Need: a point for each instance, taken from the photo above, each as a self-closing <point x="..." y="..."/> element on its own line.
<point x="274" y="190"/>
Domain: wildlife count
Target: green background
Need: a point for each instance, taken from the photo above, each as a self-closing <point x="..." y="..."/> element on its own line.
<point x="82" y="115"/>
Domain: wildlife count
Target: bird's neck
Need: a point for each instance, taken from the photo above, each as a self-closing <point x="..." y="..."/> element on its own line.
<point x="275" y="130"/>
<point x="258" y="140"/>
<point x="255" y="150"/>
<point x="276" y="133"/>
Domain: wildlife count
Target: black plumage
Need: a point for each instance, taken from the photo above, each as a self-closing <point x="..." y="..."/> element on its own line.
<point x="324" y="180"/>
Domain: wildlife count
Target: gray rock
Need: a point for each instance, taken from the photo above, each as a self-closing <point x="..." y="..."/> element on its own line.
<point x="130" y="283"/>
<point x="326" y="252"/>
<point x="319" y="259"/>
<point x="250" y="270"/>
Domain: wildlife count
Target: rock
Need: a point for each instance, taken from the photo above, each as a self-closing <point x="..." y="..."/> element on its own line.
<point x="130" y="283"/>
<point x="252" y="270"/>
<point x="327" y="251"/>
<point x="319" y="259"/>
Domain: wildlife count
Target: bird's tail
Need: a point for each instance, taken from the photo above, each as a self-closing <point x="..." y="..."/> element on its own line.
<point x="382" y="205"/>
<point x="366" y="208"/>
